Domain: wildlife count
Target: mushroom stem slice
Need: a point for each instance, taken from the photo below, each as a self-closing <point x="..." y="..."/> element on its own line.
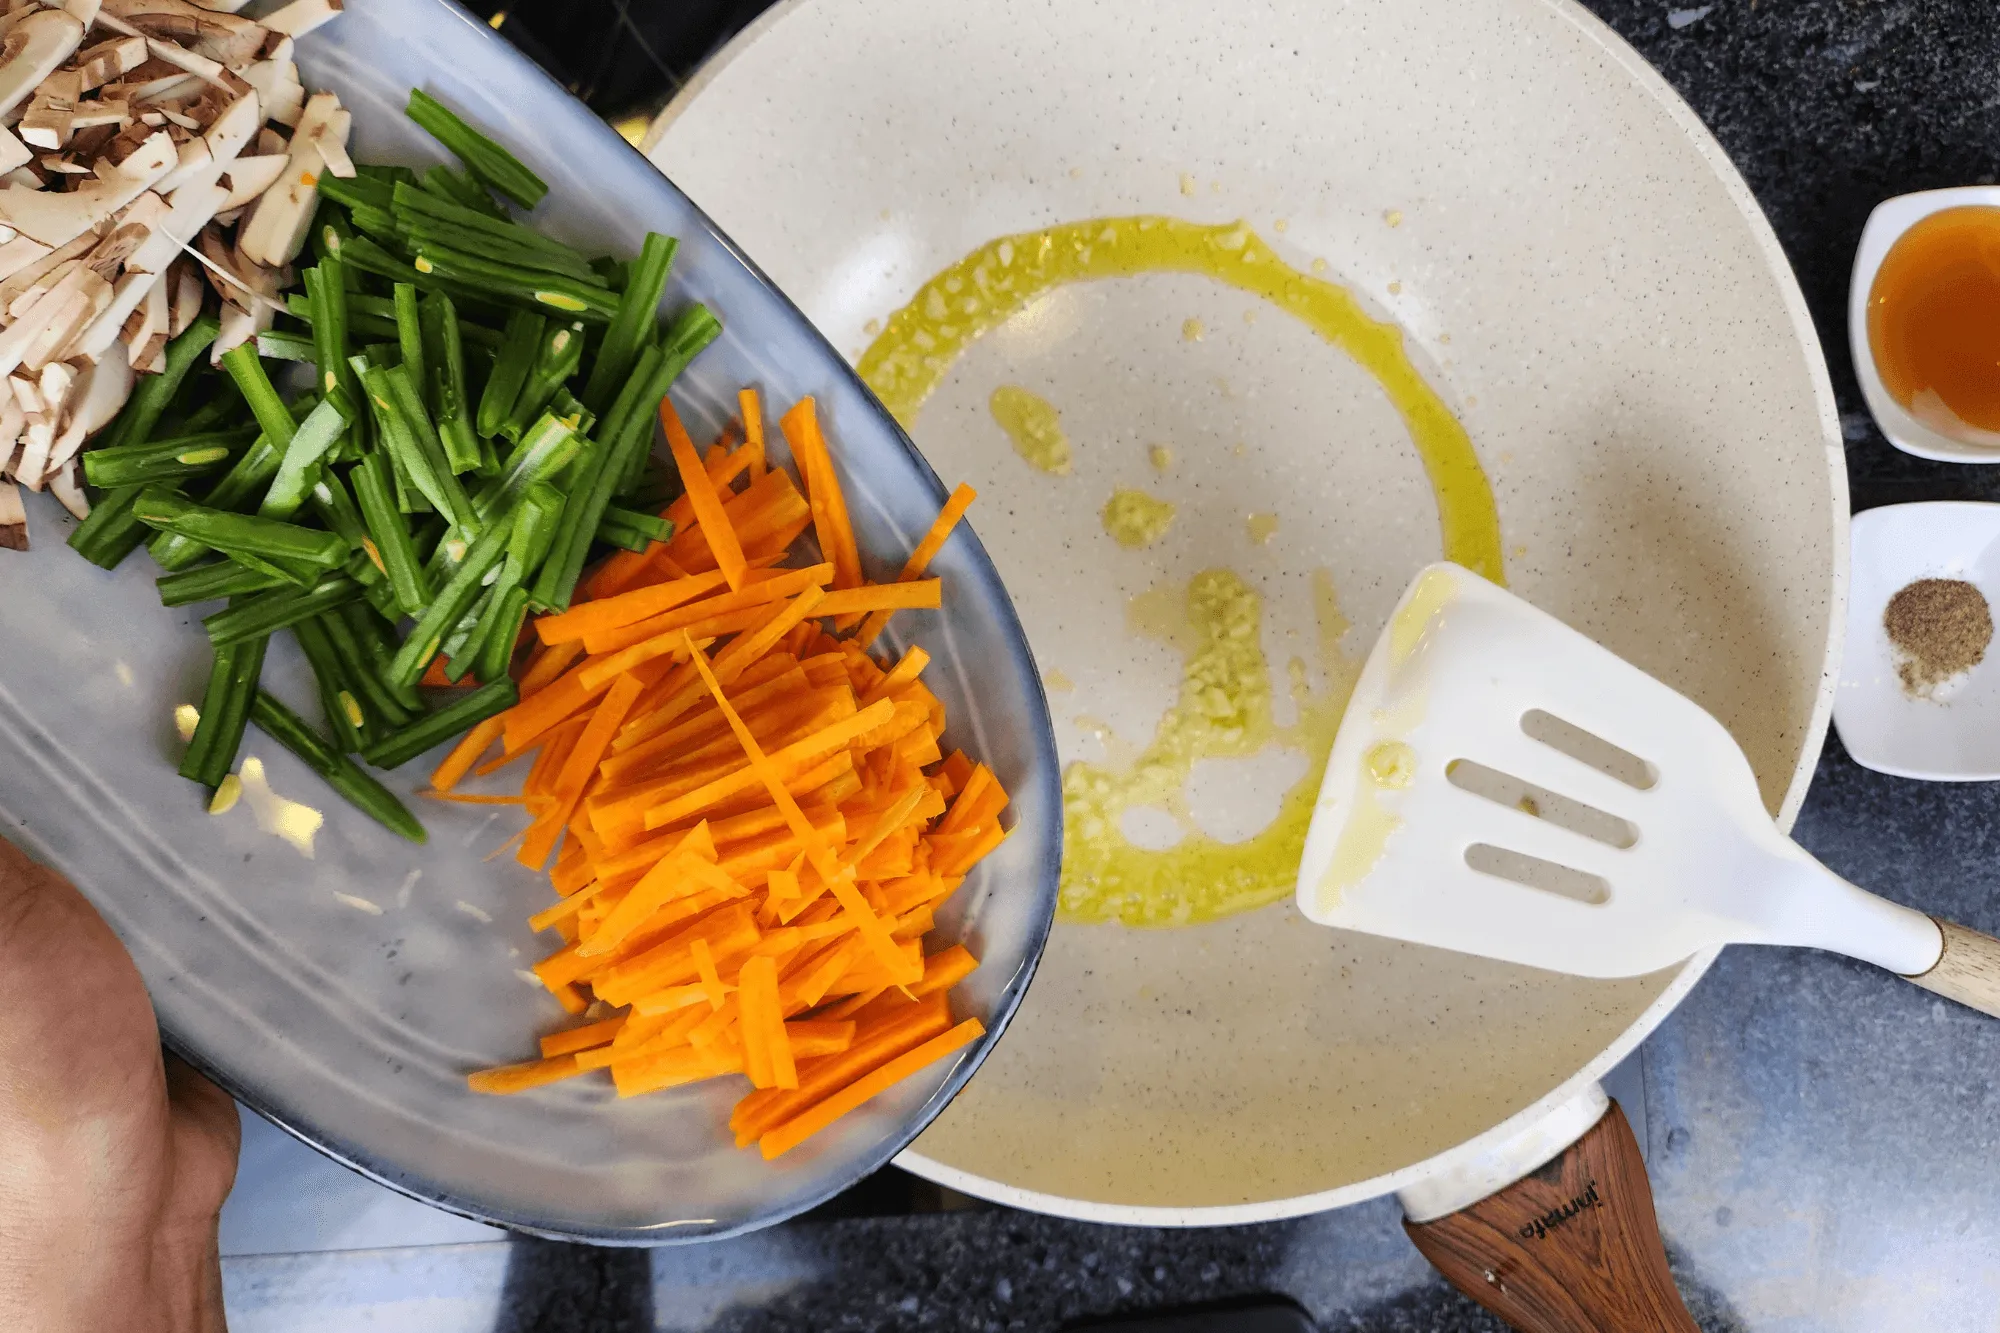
<point x="33" y="49"/>
<point x="302" y="16"/>
<point x="13" y="518"/>
<point x="67" y="487"/>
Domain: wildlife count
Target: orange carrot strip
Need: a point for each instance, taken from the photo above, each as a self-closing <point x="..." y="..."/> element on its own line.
<point x="875" y="1044"/>
<point x="571" y="1040"/>
<point x="763" y="586"/>
<point x="701" y="494"/>
<point x="467" y="798"/>
<point x="829" y="506"/>
<point x="764" y="1023"/>
<point x="912" y="665"/>
<point x="792" y="1133"/>
<point x="667" y="880"/>
<point x="771" y="770"/>
<point x="586" y="617"/>
<point x="549" y="667"/>
<point x="729" y="664"/>
<point x="672" y="1068"/>
<point x="922" y="594"/>
<point x="465" y="754"/>
<point x="812" y="1037"/>
<point x="578" y="767"/>
<point x="752" y="410"/>
<point x="521" y="1077"/>
<point x="920" y="559"/>
<point x="756" y="1023"/>
<point x="711" y="980"/>
<point x="598" y="670"/>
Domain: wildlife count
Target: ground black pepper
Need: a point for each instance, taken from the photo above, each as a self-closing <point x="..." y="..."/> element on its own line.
<point x="1939" y="628"/>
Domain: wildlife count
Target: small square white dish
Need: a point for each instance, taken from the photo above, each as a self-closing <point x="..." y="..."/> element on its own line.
<point x="1891" y="218"/>
<point x="1955" y="735"/>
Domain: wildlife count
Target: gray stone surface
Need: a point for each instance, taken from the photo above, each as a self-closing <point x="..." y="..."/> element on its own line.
<point x="1821" y="1137"/>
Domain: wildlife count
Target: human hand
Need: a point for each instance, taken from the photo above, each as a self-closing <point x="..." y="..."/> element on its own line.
<point x="113" y="1162"/>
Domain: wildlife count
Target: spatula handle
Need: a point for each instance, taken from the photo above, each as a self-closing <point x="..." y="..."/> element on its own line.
<point x="1572" y="1248"/>
<point x="1967" y="971"/>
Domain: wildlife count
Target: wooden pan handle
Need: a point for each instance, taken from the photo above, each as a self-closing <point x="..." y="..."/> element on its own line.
<point x="1968" y="970"/>
<point x="1572" y="1248"/>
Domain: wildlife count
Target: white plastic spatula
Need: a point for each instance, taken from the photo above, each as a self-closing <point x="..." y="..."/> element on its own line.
<point x="1503" y="786"/>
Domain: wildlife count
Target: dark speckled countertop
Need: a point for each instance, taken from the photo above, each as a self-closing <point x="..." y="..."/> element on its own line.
<point x="1822" y="1138"/>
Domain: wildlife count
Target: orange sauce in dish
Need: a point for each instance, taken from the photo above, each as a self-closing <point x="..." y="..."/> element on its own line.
<point x="1934" y="319"/>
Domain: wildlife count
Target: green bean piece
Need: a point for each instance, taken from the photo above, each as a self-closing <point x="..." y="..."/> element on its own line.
<point x="508" y="617"/>
<point x="150" y="396"/>
<point x="692" y="330"/>
<point x="273" y="417"/>
<point x="400" y="442"/>
<point x="444" y="349"/>
<point x="459" y="188"/>
<point x="330" y="308"/>
<point x="364" y="793"/>
<point x="448" y="722"/>
<point x="626" y="409"/>
<point x="410" y="331"/>
<point x="269" y="612"/>
<point x="510" y="371"/>
<point x="451" y="603"/>
<point x="517" y="285"/>
<point x="556" y="360"/>
<point x="622" y="537"/>
<point x="409" y="405"/>
<point x="534" y="531"/>
<point x="421" y="229"/>
<point x="460" y="646"/>
<point x="615" y="272"/>
<point x="164" y="460"/>
<point x="379" y="223"/>
<point x="415" y="207"/>
<point x="390" y="546"/>
<point x="225" y="706"/>
<point x="378" y="646"/>
<point x="358" y="191"/>
<point x="652" y="527"/>
<point x="345" y="717"/>
<point x="283" y="345"/>
<point x="111" y="532"/>
<point x="565" y="406"/>
<point x="267" y="538"/>
<point x="298" y="470"/>
<point x="334" y="503"/>
<point x="358" y="658"/>
<point x="545" y="450"/>
<point x="210" y="582"/>
<point x="632" y="327"/>
<point x="240" y="486"/>
<point x="489" y="163"/>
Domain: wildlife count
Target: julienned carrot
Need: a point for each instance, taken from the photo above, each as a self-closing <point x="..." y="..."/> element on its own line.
<point x="571" y="1040"/>
<point x="829" y="504"/>
<point x="465" y="754"/>
<point x="754" y="821"/>
<point x="884" y="597"/>
<point x="752" y="408"/>
<point x="625" y="608"/>
<point x="797" y="1130"/>
<point x="920" y="559"/>
<point x="701" y="493"/>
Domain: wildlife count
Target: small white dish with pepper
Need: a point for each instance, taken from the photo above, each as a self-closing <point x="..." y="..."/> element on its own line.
<point x="1919" y="693"/>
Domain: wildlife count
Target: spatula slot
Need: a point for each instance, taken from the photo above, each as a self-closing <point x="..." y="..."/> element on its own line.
<point x="1535" y="873"/>
<point x="1562" y="811"/>
<point x="1589" y="748"/>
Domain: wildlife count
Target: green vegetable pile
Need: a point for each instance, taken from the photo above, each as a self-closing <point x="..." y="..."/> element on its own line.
<point x="479" y="422"/>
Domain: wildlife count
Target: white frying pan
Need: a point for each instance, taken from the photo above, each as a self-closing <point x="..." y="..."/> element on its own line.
<point x="1583" y="280"/>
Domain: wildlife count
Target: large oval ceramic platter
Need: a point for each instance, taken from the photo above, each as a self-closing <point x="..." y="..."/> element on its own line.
<point x="1238" y="315"/>
<point x="346" y="995"/>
